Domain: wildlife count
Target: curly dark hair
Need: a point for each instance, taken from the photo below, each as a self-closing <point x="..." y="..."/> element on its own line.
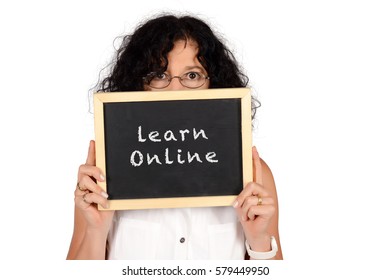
<point x="147" y="48"/>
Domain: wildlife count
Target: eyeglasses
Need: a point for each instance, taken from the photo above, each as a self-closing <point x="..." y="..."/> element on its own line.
<point x="162" y="80"/>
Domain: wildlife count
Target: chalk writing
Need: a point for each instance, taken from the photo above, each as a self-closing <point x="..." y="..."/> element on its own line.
<point x="167" y="156"/>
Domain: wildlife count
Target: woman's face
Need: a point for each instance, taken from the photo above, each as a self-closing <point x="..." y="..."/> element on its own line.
<point x="182" y="59"/>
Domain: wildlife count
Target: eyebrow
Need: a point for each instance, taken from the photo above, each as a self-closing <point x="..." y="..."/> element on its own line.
<point x="194" y="67"/>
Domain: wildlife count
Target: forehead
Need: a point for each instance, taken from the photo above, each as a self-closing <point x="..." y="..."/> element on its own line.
<point x="183" y="48"/>
<point x="183" y="55"/>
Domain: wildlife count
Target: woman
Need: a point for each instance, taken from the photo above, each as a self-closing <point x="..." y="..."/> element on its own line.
<point x="175" y="53"/>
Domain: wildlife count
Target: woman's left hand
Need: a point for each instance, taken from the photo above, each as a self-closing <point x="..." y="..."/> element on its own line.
<point x="255" y="209"/>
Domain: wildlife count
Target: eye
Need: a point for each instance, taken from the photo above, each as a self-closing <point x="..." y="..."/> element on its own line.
<point x="160" y="76"/>
<point x="192" y="76"/>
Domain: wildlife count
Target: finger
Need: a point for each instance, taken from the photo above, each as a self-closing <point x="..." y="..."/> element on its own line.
<point x="91" y="171"/>
<point x="251" y="202"/>
<point x="248" y="202"/>
<point x="257" y="168"/>
<point x="251" y="189"/>
<point x="79" y="192"/>
<point x="263" y="211"/>
<point x="87" y="183"/>
<point x="89" y="199"/>
<point x="95" y="198"/>
<point x="80" y="203"/>
<point x="91" y="158"/>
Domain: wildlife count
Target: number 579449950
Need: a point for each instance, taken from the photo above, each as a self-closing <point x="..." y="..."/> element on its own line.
<point x="248" y="270"/>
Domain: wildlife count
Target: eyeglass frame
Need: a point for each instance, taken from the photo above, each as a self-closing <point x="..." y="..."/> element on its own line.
<point x="172" y="77"/>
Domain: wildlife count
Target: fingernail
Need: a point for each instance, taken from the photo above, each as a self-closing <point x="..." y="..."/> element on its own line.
<point x="102" y="177"/>
<point x="243" y="218"/>
<point x="235" y="204"/>
<point x="104" y="194"/>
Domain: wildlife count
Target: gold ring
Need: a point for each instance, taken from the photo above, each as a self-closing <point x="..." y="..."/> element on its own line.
<point x="78" y="186"/>
<point x="85" y="199"/>
<point x="260" y="201"/>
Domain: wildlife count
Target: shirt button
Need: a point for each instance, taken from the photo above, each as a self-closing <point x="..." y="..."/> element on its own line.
<point x="182" y="240"/>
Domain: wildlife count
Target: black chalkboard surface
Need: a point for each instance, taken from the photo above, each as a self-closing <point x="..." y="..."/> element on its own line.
<point x="173" y="149"/>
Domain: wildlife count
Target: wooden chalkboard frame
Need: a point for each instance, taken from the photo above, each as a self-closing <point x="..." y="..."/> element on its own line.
<point x="146" y="96"/>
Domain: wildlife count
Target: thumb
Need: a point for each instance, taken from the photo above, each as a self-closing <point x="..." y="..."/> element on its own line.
<point x="257" y="168"/>
<point x="91" y="158"/>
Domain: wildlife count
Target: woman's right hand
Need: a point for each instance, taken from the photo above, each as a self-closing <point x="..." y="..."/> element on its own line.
<point x="88" y="195"/>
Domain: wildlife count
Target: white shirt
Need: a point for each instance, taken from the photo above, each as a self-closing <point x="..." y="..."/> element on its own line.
<point x="181" y="233"/>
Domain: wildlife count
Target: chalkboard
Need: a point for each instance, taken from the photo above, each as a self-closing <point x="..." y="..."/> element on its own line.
<point x="173" y="149"/>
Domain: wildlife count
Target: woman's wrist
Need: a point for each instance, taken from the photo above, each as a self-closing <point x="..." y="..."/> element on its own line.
<point x="96" y="234"/>
<point x="261" y="243"/>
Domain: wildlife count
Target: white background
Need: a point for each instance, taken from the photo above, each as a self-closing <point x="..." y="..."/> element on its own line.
<point x="320" y="68"/>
